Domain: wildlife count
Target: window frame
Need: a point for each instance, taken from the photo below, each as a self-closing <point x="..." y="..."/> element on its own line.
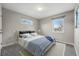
<point x="76" y="17"/>
<point x="27" y="21"/>
<point x="53" y="24"/>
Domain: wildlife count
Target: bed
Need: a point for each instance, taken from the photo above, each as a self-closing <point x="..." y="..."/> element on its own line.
<point x="36" y="44"/>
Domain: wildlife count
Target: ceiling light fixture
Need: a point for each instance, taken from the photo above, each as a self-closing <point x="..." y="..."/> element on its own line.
<point x="40" y="9"/>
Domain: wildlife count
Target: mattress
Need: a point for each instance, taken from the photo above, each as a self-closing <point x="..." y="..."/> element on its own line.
<point x="23" y="41"/>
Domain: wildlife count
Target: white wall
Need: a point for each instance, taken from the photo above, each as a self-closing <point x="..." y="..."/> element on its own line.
<point x="11" y="24"/>
<point x="0" y="27"/>
<point x="76" y="31"/>
<point x="68" y="35"/>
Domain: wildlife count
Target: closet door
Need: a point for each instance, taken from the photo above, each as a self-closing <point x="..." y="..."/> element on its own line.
<point x="0" y="28"/>
<point x="76" y="34"/>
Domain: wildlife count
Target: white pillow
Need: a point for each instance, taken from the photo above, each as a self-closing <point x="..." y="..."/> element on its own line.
<point x="34" y="34"/>
<point x="26" y="35"/>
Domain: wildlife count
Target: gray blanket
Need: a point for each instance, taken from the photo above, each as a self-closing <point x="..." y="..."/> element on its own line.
<point x="37" y="46"/>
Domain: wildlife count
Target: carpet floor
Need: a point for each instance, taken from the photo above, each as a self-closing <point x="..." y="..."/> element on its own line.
<point x="58" y="49"/>
<point x="70" y="51"/>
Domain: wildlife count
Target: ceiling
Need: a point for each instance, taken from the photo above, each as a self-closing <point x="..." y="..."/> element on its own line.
<point x="31" y="9"/>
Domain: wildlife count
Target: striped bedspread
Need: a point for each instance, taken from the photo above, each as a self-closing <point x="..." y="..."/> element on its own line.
<point x="37" y="46"/>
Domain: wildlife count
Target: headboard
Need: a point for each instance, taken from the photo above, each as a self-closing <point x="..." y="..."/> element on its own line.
<point x="24" y="32"/>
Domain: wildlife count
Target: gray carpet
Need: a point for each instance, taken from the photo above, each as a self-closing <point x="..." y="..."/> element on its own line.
<point x="56" y="50"/>
<point x="70" y="50"/>
<point x="12" y="50"/>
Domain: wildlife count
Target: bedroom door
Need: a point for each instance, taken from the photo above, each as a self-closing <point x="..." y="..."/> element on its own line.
<point x="0" y="28"/>
<point x="76" y="34"/>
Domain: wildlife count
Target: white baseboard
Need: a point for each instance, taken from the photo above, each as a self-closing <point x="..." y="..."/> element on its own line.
<point x="66" y="43"/>
<point x="9" y="44"/>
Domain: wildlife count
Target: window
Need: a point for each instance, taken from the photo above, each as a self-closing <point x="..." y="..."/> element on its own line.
<point x="26" y="21"/>
<point x="58" y="25"/>
<point x="77" y="18"/>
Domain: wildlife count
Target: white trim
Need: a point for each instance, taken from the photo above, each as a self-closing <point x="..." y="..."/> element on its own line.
<point x="65" y="43"/>
<point x="76" y="50"/>
<point x="64" y="50"/>
<point x="9" y="44"/>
